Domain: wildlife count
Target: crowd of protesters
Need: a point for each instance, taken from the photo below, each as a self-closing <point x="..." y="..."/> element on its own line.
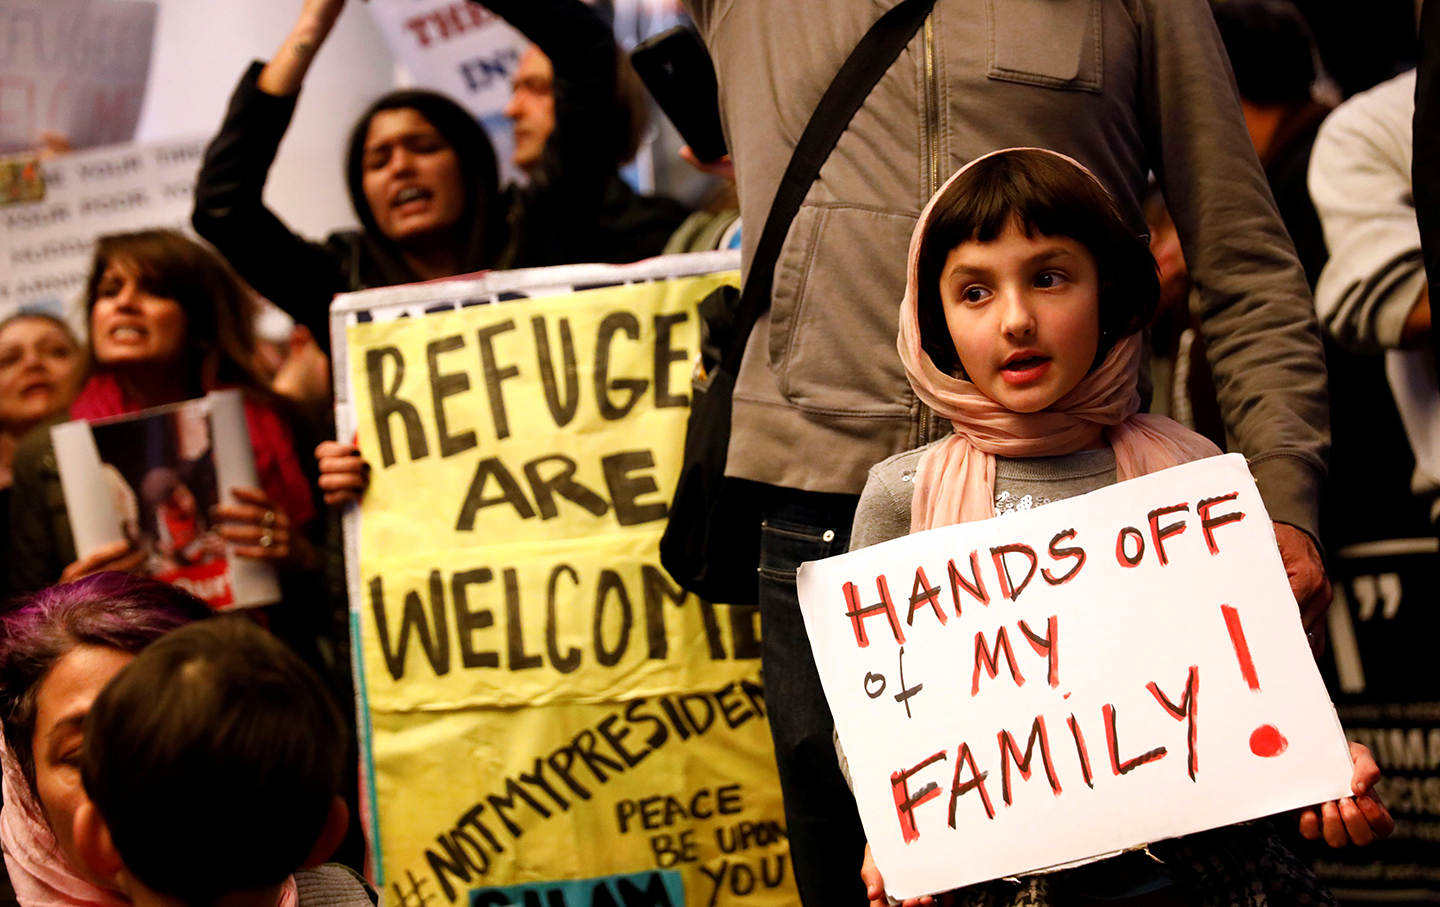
<point x="1285" y="227"/>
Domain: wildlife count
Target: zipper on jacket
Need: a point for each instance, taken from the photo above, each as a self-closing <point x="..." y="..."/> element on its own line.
<point x="927" y="428"/>
<point x="932" y="106"/>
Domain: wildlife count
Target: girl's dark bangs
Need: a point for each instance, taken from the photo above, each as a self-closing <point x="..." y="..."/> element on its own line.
<point x="997" y="191"/>
<point x="1054" y="206"/>
<point x="992" y="209"/>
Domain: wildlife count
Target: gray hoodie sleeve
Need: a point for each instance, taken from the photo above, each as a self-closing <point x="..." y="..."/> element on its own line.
<point x="1256" y="312"/>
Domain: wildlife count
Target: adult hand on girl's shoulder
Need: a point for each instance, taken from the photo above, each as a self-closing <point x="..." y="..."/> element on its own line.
<point x="1307" y="580"/>
<point x="1361" y="819"/>
<point x="875" y="887"/>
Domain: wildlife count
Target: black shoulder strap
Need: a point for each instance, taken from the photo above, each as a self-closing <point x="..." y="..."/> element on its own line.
<point x="875" y="53"/>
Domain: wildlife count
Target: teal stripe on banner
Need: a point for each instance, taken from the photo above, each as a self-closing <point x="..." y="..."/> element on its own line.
<point x="650" y="888"/>
<point x="367" y="747"/>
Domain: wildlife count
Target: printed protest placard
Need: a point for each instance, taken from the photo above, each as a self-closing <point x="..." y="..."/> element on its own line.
<point x="76" y="67"/>
<point x="152" y="478"/>
<point x="1073" y="680"/>
<point x="548" y="717"/>
<point x="47" y="243"/>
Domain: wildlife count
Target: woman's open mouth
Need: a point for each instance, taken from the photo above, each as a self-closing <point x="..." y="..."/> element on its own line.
<point x="127" y="333"/>
<point x="410" y="195"/>
<point x="37" y="389"/>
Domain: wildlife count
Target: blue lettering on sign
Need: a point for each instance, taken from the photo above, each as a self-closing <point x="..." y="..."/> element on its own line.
<point x="480" y="72"/>
<point x="651" y="888"/>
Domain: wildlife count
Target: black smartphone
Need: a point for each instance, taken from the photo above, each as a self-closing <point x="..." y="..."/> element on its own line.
<point x="676" y="68"/>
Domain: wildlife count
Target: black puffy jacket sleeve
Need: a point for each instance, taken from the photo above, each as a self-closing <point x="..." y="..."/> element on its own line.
<point x="297" y="275"/>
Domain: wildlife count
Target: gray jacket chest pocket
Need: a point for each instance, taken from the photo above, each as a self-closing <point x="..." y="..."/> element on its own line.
<point x="1051" y="43"/>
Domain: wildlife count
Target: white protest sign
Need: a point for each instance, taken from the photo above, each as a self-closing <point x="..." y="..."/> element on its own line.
<point x="77" y="67"/>
<point x="1070" y="681"/>
<point x="460" y="49"/>
<point x="45" y="245"/>
<point x="455" y="47"/>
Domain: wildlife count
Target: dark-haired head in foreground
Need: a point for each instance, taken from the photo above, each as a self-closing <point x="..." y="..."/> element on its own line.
<point x="214" y="761"/>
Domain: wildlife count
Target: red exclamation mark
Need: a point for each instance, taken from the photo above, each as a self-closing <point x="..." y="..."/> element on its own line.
<point x="1266" y="740"/>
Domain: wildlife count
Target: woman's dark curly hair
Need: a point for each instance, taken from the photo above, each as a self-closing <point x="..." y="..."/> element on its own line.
<point x="1046" y="194"/>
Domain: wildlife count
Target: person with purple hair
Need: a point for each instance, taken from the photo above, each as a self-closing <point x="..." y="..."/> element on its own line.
<point x="59" y="647"/>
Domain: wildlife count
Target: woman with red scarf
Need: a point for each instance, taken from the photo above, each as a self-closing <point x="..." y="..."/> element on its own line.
<point x="169" y="321"/>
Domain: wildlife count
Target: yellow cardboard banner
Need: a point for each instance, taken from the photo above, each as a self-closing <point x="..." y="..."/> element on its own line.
<point x="550" y="719"/>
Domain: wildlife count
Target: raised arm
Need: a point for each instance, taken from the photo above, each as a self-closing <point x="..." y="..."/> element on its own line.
<point x="298" y="276"/>
<point x="285" y="72"/>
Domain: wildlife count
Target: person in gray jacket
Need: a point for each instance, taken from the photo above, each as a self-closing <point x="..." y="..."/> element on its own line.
<point x="1125" y="87"/>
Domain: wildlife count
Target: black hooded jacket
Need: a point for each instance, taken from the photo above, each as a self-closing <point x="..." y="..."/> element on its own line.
<point x="299" y="275"/>
<point x="575" y="210"/>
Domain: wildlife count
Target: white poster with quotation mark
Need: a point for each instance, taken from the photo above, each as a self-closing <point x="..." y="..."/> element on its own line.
<point x="1063" y="683"/>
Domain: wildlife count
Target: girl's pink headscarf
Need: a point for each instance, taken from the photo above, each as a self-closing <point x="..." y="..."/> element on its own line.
<point x="955" y="481"/>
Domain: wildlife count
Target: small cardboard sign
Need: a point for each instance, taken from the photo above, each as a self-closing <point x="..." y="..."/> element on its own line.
<point x="1066" y="682"/>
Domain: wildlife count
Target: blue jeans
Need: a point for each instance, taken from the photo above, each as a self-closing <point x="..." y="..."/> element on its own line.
<point x="827" y="842"/>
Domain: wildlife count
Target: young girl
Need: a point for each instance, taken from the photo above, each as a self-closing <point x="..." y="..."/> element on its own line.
<point x="1020" y="324"/>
